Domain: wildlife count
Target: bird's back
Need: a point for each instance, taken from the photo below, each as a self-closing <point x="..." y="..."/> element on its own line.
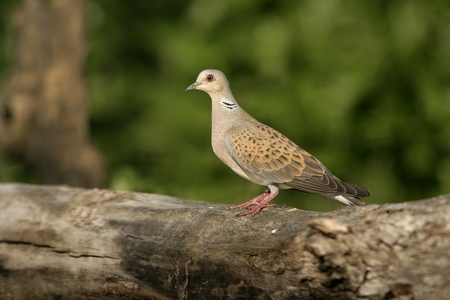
<point x="269" y="157"/>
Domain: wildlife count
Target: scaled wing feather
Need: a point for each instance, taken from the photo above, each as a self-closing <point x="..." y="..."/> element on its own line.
<point x="264" y="152"/>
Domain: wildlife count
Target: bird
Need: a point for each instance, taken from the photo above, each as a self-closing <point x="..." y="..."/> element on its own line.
<point x="263" y="155"/>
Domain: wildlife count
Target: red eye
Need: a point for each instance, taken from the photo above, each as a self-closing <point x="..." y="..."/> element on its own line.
<point x="209" y="78"/>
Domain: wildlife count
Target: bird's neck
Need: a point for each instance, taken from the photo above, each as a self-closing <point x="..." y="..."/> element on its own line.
<point x="225" y="101"/>
<point x="225" y="106"/>
<point x="225" y="112"/>
<point x="229" y="105"/>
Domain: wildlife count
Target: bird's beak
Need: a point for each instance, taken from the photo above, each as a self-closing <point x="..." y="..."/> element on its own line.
<point x="193" y="86"/>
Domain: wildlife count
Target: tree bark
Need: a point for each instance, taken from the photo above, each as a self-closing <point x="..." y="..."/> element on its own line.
<point x="67" y="243"/>
<point x="44" y="107"/>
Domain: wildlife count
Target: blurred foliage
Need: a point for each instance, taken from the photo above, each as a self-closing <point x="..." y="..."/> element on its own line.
<point x="362" y="85"/>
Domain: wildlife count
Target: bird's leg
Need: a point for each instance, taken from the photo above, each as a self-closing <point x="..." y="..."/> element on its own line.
<point x="259" y="202"/>
<point x="263" y="203"/>
<point x="251" y="202"/>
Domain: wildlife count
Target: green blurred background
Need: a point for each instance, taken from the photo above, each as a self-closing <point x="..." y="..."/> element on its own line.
<point x="362" y="85"/>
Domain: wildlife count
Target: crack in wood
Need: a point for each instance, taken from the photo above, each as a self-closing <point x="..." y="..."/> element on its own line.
<point x="24" y="243"/>
<point x="53" y="249"/>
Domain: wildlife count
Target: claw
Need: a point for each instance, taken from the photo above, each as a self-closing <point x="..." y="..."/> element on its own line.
<point x="259" y="203"/>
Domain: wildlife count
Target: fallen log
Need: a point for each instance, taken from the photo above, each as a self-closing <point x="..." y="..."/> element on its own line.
<point x="69" y="243"/>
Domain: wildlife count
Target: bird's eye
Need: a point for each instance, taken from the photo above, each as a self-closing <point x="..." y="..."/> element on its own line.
<point x="210" y="78"/>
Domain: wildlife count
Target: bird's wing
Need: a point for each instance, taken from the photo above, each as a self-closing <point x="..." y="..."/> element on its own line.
<point x="268" y="154"/>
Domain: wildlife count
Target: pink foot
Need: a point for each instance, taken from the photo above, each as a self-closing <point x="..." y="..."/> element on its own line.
<point x="251" y="202"/>
<point x="260" y="202"/>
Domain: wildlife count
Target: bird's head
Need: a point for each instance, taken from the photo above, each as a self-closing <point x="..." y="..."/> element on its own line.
<point x="211" y="82"/>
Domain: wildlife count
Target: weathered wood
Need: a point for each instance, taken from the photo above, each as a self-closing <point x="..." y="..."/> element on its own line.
<point x="61" y="242"/>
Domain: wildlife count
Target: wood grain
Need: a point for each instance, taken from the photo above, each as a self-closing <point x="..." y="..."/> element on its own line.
<point x="69" y="243"/>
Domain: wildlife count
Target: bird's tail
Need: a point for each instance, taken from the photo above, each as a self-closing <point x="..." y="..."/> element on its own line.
<point x="333" y="188"/>
<point x="351" y="194"/>
<point x="345" y="199"/>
